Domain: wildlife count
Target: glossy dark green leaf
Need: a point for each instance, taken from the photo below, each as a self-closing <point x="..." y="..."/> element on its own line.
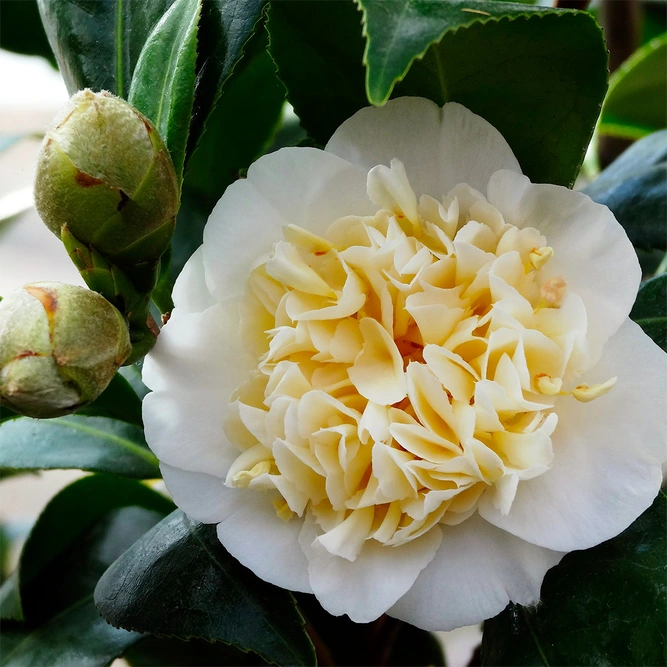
<point x="21" y="29"/>
<point x="603" y="606"/>
<point x="75" y="509"/>
<point x="636" y="104"/>
<point x="237" y="132"/>
<point x="242" y="124"/>
<point x="225" y="27"/>
<point x="62" y="625"/>
<point x="537" y="74"/>
<point x="400" y="31"/>
<point x="97" y="42"/>
<point x="118" y="401"/>
<point x="163" y="83"/>
<point x="322" y="69"/>
<point x="634" y="187"/>
<point x="77" y="536"/>
<point x="178" y="581"/>
<point x="650" y="309"/>
<point x="77" y="636"/>
<point x="98" y="444"/>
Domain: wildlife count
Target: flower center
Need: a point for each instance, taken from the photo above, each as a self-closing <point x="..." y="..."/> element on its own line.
<point x="408" y="363"/>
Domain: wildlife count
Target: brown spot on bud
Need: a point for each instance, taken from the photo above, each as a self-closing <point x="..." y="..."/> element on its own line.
<point x="46" y="296"/>
<point x="65" y="119"/>
<point x="165" y="318"/>
<point x="149" y="129"/>
<point x="86" y="180"/>
<point x="27" y="353"/>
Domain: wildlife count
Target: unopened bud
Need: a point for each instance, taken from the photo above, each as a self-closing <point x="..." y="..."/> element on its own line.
<point x="60" y="345"/>
<point x="104" y="171"/>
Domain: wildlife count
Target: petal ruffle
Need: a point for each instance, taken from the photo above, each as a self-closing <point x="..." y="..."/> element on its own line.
<point x="608" y="454"/>
<point x="591" y="249"/>
<point x="299" y="186"/>
<point x="440" y="147"/>
<point x="477" y="570"/>
<point x="365" y="588"/>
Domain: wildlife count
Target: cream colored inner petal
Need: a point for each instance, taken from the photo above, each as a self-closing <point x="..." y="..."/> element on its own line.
<point x="408" y="364"/>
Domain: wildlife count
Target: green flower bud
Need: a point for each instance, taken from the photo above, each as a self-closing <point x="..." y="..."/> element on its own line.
<point x="60" y="345"/>
<point x="105" y="173"/>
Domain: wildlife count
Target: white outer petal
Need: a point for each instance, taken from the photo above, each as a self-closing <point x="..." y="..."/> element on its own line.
<point x="191" y="293"/>
<point x="365" y="588"/>
<point x="440" y="147"/>
<point x="591" y="249"/>
<point x="263" y="542"/>
<point x="299" y="186"/>
<point x="477" y="570"/>
<point x="607" y="454"/>
<point x="193" y="369"/>
<point x="202" y="497"/>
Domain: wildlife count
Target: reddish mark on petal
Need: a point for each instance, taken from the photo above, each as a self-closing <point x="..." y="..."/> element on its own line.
<point x="27" y="353"/>
<point x="86" y="180"/>
<point x="319" y="253"/>
<point x="46" y="296"/>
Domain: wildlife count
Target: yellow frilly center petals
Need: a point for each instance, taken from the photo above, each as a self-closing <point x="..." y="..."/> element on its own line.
<point x="377" y="372"/>
<point x="408" y="364"/>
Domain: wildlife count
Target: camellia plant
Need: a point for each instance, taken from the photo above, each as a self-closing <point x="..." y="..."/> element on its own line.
<point x="352" y="370"/>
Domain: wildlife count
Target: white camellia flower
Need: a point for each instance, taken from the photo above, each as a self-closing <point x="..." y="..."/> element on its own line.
<point x="378" y="376"/>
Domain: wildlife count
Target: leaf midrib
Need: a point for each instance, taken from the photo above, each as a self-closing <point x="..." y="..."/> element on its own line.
<point x="140" y="451"/>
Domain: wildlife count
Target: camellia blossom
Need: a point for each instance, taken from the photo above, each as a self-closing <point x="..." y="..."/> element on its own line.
<point x="402" y="377"/>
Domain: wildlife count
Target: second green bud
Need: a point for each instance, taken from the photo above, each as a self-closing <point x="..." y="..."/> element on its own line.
<point x="105" y="172"/>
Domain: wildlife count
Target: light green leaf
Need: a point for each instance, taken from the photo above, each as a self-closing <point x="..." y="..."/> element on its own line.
<point x="636" y="104"/>
<point x="163" y="84"/>
<point x="98" y="444"/>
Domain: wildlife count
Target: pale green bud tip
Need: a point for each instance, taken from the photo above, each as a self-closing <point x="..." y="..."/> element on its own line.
<point x="104" y="171"/>
<point x="60" y="345"/>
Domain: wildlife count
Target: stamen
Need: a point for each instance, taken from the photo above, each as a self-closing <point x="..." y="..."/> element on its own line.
<point x="553" y="291"/>
<point x="547" y="385"/>
<point x="584" y="393"/>
<point x="538" y="257"/>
